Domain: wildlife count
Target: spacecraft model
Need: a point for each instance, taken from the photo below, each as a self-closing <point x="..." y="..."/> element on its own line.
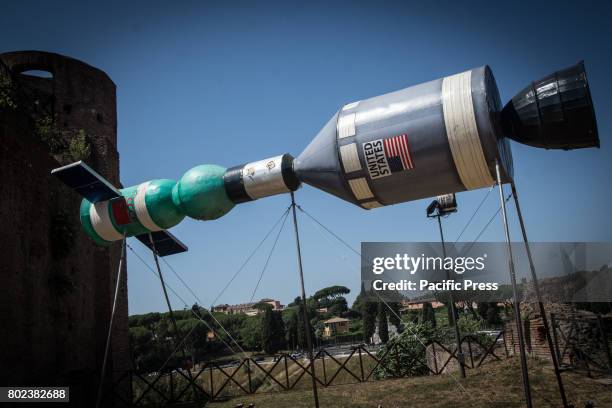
<point x="439" y="137"/>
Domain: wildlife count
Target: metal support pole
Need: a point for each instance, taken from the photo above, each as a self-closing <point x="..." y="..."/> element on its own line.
<point x="517" y="308"/>
<point x="460" y="355"/>
<point x="110" y="324"/>
<point x="315" y="394"/>
<point x="172" y="318"/>
<point x="534" y="278"/>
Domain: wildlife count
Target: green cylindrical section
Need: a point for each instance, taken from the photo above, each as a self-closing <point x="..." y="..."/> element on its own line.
<point x="200" y="193"/>
<point x="86" y="223"/>
<point x="158" y="205"/>
<point x="161" y="208"/>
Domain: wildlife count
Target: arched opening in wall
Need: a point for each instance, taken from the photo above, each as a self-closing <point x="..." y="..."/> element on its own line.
<point x="38" y="73"/>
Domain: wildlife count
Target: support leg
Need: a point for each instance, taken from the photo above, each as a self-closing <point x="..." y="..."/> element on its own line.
<point x="110" y="324"/>
<point x="517" y="308"/>
<point x="196" y="391"/>
<point x="534" y="278"/>
<point x="315" y="393"/>
<point x="460" y="355"/>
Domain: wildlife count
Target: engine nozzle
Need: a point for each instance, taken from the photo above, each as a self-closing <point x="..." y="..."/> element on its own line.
<point x="555" y="112"/>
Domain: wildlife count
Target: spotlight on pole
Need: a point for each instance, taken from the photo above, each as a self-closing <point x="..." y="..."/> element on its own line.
<point x="442" y="206"/>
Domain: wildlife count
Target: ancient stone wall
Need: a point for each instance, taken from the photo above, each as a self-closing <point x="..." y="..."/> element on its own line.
<point x="57" y="285"/>
<point x="572" y="328"/>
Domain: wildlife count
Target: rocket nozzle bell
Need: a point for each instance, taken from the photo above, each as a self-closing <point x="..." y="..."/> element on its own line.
<point x="555" y="112"/>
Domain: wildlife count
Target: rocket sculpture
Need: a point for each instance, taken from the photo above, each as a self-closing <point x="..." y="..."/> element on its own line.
<point x="439" y="137"/>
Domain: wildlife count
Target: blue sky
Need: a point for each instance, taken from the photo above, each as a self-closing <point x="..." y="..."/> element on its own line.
<point x="230" y="83"/>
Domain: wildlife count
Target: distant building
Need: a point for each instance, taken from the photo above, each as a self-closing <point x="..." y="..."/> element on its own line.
<point x="408" y="305"/>
<point x="276" y="304"/>
<point x="248" y="309"/>
<point x="335" y="326"/>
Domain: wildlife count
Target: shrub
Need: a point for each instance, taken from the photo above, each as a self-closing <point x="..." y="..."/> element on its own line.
<point x="406" y="354"/>
<point x="79" y="147"/>
<point x="50" y="135"/>
<point x="468" y="326"/>
<point x="7" y="100"/>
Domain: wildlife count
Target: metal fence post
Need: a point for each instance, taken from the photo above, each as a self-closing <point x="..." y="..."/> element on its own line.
<point x="435" y="357"/>
<point x="361" y="364"/>
<point x="212" y="388"/>
<point x="286" y="371"/>
<point x="248" y="368"/>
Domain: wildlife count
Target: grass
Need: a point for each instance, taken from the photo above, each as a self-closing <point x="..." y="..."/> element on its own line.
<point x="496" y="384"/>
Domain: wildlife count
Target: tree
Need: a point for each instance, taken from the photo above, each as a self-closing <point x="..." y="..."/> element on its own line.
<point x="291" y="325"/>
<point x="368" y="316"/>
<point x="357" y="306"/>
<point x="192" y="334"/>
<point x="493" y="317"/>
<point x="141" y="343"/>
<point x="338" y="306"/>
<point x="489" y="312"/>
<point x="428" y="314"/>
<point x="267" y="331"/>
<point x="279" y="330"/>
<point x="301" y="329"/>
<point x="295" y="302"/>
<point x="250" y="333"/>
<point x="330" y="292"/>
<point x="332" y="299"/>
<point x="383" y="328"/>
<point x="272" y="331"/>
<point x="468" y="325"/>
<point x="449" y="314"/>
<point x="482" y="308"/>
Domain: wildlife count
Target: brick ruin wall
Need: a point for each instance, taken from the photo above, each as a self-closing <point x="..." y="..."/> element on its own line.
<point x="571" y="325"/>
<point x="57" y="285"/>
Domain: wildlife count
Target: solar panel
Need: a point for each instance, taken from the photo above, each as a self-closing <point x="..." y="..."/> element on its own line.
<point x="85" y="181"/>
<point x="165" y="243"/>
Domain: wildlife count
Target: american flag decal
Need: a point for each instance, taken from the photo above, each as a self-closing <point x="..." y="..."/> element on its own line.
<point x="397" y="153"/>
<point x="120" y="211"/>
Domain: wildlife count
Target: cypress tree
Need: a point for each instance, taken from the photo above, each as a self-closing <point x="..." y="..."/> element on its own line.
<point x="301" y="330"/>
<point x="272" y="331"/>
<point x="292" y="330"/>
<point x="493" y="318"/>
<point x="368" y="316"/>
<point x="279" y="331"/>
<point x="428" y="314"/>
<point x="267" y="331"/>
<point x="383" y="327"/>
